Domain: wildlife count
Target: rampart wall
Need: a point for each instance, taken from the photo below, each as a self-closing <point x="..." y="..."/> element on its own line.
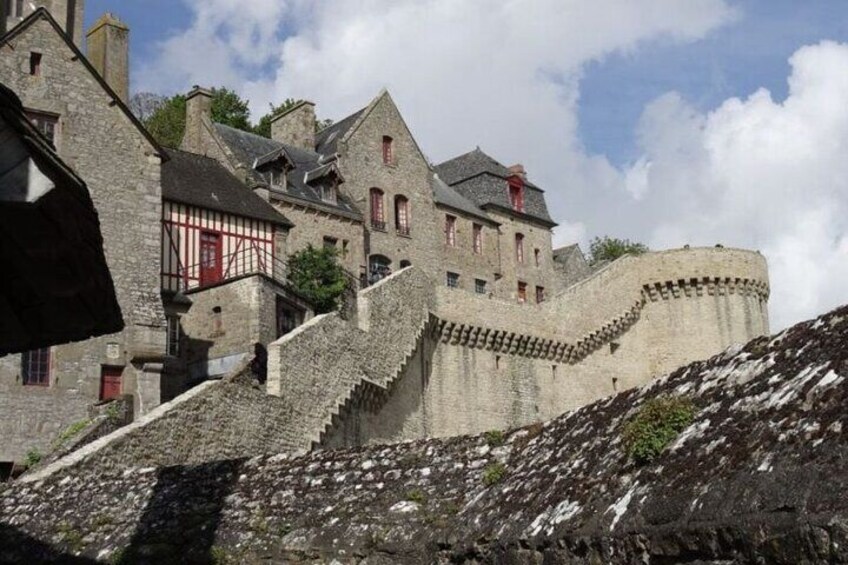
<point x="489" y="364"/>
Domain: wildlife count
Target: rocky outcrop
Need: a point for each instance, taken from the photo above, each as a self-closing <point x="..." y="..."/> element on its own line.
<point x="759" y="476"/>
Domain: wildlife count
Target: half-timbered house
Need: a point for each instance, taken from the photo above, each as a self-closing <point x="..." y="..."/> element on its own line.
<point x="223" y="267"/>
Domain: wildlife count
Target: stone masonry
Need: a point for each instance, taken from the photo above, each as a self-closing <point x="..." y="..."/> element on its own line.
<point x="97" y="137"/>
<point x="758" y="476"/>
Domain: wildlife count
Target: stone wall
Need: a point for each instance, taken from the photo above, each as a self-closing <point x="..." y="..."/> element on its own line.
<point x="461" y="258"/>
<point x="121" y="168"/>
<point x="492" y="364"/>
<point x="758" y="476"/>
<point x="408" y="175"/>
<point x="224" y="419"/>
<point x="536" y="270"/>
<point x="311" y="227"/>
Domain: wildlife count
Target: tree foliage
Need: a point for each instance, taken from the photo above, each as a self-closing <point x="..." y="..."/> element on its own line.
<point x="656" y="424"/>
<point x="317" y="275"/>
<point x="611" y="248"/>
<point x="167" y="122"/>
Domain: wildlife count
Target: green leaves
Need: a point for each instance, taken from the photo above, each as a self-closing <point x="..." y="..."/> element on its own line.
<point x="656" y="425"/>
<point x="611" y="248"/>
<point x="317" y="275"/>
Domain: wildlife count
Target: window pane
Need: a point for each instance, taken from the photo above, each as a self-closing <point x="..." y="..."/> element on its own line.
<point x="35" y="367"/>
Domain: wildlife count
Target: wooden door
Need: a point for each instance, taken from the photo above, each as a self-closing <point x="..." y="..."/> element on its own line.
<point x="210" y="257"/>
<point x="110" y="382"/>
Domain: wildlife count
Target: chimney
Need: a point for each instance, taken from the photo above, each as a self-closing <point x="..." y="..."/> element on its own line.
<point x="296" y="126"/>
<point x="518" y="170"/>
<point x="108" y="51"/>
<point x="198" y="104"/>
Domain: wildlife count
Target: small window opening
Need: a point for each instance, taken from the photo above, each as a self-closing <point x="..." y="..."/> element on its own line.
<point x="35" y="64"/>
<point x="497" y="361"/>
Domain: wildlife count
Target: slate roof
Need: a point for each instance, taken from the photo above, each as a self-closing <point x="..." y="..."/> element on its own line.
<point x="481" y="179"/>
<point x="447" y="196"/>
<point x="250" y="149"/>
<point x="326" y="141"/>
<point x="203" y="182"/>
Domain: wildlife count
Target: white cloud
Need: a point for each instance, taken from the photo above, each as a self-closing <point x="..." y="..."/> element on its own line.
<point x="762" y="174"/>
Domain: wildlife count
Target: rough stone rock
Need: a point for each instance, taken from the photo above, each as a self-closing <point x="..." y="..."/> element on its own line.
<point x="760" y="476"/>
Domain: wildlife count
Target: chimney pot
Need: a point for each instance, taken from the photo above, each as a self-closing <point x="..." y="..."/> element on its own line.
<point x="108" y="43"/>
<point x="518" y="169"/>
<point x="198" y="105"/>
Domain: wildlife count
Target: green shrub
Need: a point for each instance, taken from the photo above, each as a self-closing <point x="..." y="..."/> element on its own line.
<point x="494" y="438"/>
<point x="417" y="495"/>
<point x="493" y="473"/>
<point x="317" y="275"/>
<point x="72" y="431"/>
<point x="656" y="424"/>
<point x="33" y="456"/>
<point x="611" y="248"/>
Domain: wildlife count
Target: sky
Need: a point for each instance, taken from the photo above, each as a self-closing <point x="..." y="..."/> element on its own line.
<point x="669" y="122"/>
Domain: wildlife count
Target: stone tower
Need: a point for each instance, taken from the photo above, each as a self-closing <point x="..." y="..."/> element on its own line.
<point x="67" y="13"/>
<point x="108" y="43"/>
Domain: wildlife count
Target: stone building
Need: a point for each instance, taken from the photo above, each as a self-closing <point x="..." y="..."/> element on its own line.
<point x="95" y="134"/>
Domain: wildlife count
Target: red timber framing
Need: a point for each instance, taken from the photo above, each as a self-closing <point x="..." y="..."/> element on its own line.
<point x="244" y="246"/>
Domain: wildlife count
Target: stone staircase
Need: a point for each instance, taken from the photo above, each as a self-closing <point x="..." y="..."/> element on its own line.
<point x="369" y="393"/>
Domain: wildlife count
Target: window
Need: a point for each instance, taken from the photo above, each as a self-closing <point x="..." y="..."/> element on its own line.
<point x="110" y="382"/>
<point x="35" y="367"/>
<point x="45" y="123"/>
<point x="35" y="64"/>
<point x="536" y="255"/>
<point x="450" y="231"/>
<point x="388" y="158"/>
<point x="277" y="178"/>
<point x="330" y="242"/>
<point x="479" y="286"/>
<point x="540" y="294"/>
<point x="210" y="257"/>
<point x="477" y="236"/>
<point x="328" y="193"/>
<point x="288" y="318"/>
<point x="522" y="292"/>
<point x="172" y="345"/>
<point x="516" y="194"/>
<point x="453" y="280"/>
<point x="519" y="247"/>
<point x="402" y="215"/>
<point x="378" y="218"/>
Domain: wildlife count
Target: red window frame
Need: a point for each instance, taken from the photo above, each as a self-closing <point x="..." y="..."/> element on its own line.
<point x="477" y="238"/>
<point x="402" y="214"/>
<point x="35" y="367"/>
<point x="211" y="257"/>
<point x="450" y="230"/>
<point x="378" y="216"/>
<point x="388" y="157"/>
<point x="111" y="382"/>
<point x="516" y="193"/>
<point x="519" y="247"/>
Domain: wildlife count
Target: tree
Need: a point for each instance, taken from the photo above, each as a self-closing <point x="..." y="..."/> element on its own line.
<point x="144" y="104"/>
<point x="263" y="127"/>
<point x="318" y="277"/>
<point x="167" y="122"/>
<point x="611" y="248"/>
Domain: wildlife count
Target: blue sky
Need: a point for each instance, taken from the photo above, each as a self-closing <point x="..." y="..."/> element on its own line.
<point x="669" y="122"/>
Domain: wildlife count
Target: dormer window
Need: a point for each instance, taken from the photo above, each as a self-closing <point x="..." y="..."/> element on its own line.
<point x="329" y="192"/>
<point x="277" y="178"/>
<point x="516" y="193"/>
<point x="388" y="157"/>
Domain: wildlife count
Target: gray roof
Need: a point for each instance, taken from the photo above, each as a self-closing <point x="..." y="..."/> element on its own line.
<point x="201" y="181"/>
<point x="250" y="149"/>
<point x="481" y="179"/>
<point x="326" y="141"/>
<point x="446" y="196"/>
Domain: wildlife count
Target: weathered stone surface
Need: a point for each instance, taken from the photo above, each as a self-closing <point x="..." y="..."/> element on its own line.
<point x="758" y="477"/>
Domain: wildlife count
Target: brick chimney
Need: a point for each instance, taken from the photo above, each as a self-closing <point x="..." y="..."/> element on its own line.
<point x="518" y="170"/>
<point x="296" y="126"/>
<point x="198" y="104"/>
<point x="108" y="43"/>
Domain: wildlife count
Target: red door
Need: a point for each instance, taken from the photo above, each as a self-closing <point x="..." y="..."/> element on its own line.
<point x="110" y="382"/>
<point x="210" y="257"/>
